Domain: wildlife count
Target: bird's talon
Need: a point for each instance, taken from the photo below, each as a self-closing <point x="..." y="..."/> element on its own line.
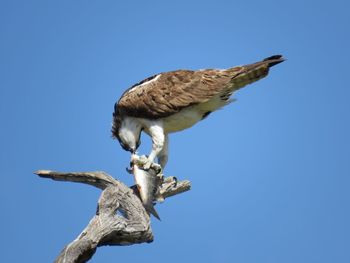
<point x="129" y="170"/>
<point x="174" y="181"/>
<point x="147" y="165"/>
<point x="156" y="167"/>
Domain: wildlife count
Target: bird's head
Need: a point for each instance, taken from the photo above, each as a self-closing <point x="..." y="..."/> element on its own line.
<point x="127" y="132"/>
<point x="128" y="140"/>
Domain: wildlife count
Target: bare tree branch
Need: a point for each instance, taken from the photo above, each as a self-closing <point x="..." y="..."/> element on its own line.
<point x="98" y="179"/>
<point x="130" y="226"/>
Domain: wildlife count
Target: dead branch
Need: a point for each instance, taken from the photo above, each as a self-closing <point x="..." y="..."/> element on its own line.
<point x="107" y="227"/>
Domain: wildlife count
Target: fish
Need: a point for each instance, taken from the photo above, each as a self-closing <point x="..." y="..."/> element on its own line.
<point x="147" y="182"/>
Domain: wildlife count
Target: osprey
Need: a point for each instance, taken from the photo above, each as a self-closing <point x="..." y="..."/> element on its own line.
<point x="173" y="101"/>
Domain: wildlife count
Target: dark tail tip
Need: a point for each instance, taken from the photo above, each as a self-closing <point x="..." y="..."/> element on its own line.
<point x="274" y="60"/>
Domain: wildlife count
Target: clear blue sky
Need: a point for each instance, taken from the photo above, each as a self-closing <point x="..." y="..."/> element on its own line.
<point x="270" y="173"/>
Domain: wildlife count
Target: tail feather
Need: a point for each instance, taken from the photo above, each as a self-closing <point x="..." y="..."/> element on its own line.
<point x="264" y="64"/>
<point x="274" y="60"/>
<point x="250" y="73"/>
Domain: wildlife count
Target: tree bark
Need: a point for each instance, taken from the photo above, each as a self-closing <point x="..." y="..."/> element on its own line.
<point x="130" y="226"/>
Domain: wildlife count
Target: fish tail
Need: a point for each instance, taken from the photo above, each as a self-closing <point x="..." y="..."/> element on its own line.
<point x="150" y="209"/>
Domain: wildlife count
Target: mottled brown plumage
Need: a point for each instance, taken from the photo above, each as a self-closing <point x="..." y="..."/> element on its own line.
<point x="175" y="90"/>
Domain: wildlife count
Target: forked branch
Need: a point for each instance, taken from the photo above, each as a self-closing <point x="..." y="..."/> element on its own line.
<point x="107" y="227"/>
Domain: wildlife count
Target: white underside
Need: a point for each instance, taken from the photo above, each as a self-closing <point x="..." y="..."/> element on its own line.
<point x="185" y="118"/>
<point x="189" y="116"/>
<point x="158" y="129"/>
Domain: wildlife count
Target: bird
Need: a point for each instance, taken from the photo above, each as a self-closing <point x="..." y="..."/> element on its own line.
<point x="172" y="101"/>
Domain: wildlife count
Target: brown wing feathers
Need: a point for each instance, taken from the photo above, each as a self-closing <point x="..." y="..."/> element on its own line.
<point x="172" y="91"/>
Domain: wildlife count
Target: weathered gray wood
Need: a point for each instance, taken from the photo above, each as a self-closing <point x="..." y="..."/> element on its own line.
<point x="107" y="227"/>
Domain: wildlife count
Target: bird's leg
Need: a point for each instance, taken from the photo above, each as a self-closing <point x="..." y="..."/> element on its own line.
<point x="163" y="155"/>
<point x="158" y="138"/>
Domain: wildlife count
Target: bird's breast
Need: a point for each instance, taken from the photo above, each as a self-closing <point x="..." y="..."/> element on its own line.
<point x="189" y="116"/>
<point x="183" y="119"/>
